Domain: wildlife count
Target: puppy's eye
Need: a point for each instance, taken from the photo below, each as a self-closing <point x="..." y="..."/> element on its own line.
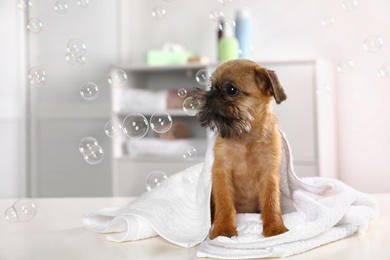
<point x="231" y="90"/>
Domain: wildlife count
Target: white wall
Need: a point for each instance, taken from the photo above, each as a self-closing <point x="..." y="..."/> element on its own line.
<point x="12" y="98"/>
<point x="285" y="30"/>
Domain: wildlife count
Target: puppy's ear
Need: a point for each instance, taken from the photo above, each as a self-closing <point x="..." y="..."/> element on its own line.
<point x="269" y="83"/>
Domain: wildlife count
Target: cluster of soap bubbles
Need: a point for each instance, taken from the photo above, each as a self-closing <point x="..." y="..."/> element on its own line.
<point x="371" y="44"/>
<point x="75" y="52"/>
<point x="136" y="126"/>
<point x="22" y="210"/>
<point x="91" y="151"/>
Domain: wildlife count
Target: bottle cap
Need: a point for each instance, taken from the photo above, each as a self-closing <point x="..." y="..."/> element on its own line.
<point x="243" y="13"/>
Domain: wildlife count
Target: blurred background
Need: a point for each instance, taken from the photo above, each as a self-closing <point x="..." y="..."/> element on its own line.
<point x="50" y="49"/>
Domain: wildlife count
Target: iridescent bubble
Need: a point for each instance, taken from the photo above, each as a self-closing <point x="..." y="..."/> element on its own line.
<point x="158" y="12"/>
<point x="76" y="48"/>
<point x="224" y="2"/>
<point x="155" y="179"/>
<point x="34" y="25"/>
<point x="37" y="77"/>
<point x="135" y="126"/>
<point x="182" y="93"/>
<point x="345" y="66"/>
<point x="328" y="21"/>
<point x="373" y="43"/>
<point x="113" y="129"/>
<point x="384" y="71"/>
<point x="117" y="78"/>
<point x="202" y="76"/>
<point x="94" y="154"/>
<point x="322" y="90"/>
<point x="87" y="142"/>
<point x="191" y="106"/>
<point x="227" y="24"/>
<point x="83" y="3"/>
<point x="25" y="209"/>
<point x="74" y="61"/>
<point x="349" y="5"/>
<point x="215" y="15"/>
<point x="25" y="5"/>
<point x="190" y="153"/>
<point x="161" y="122"/>
<point x="11" y="215"/>
<point x="61" y="7"/>
<point x="89" y="91"/>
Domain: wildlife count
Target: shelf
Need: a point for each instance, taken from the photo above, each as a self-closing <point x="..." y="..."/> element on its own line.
<point x="162" y="68"/>
<point x="172" y="112"/>
<point x="159" y="159"/>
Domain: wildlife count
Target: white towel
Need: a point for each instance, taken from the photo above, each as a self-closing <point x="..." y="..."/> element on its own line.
<point x="316" y="211"/>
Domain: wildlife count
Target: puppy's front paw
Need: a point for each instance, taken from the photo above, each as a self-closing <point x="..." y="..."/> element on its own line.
<point x="225" y="231"/>
<point x="274" y="230"/>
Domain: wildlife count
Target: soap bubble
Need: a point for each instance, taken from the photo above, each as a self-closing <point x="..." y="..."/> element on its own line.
<point x="87" y="142"/>
<point x="135" y="126"/>
<point x="202" y="76"/>
<point x="25" y="5"/>
<point x="89" y="91"/>
<point x="83" y="3"/>
<point x="215" y="15"/>
<point x="61" y="7"/>
<point x="76" y="48"/>
<point x="224" y="2"/>
<point x="349" y="5"/>
<point x="113" y="129"/>
<point x="94" y="154"/>
<point x="227" y="24"/>
<point x="25" y="209"/>
<point x="190" y="153"/>
<point x="158" y="12"/>
<point x="117" y="78"/>
<point x="34" y="25"/>
<point x="37" y="77"/>
<point x="328" y="21"/>
<point x="189" y="179"/>
<point x="345" y="66"/>
<point x="373" y="43"/>
<point x="323" y="90"/>
<point x="154" y="179"/>
<point x="384" y="71"/>
<point x="75" y="61"/>
<point x="191" y="106"/>
<point x="10" y="215"/>
<point x="182" y="93"/>
<point x="161" y="122"/>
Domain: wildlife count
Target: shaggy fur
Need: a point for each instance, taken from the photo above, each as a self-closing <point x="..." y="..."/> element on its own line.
<point x="247" y="151"/>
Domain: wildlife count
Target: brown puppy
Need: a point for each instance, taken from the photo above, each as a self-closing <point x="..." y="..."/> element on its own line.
<point x="247" y="151"/>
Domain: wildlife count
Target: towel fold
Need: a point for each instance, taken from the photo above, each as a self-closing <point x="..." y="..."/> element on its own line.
<point x="316" y="211"/>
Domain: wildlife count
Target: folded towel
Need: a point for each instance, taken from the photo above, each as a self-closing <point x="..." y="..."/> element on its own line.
<point x="166" y="148"/>
<point x="316" y="211"/>
<point x="135" y="99"/>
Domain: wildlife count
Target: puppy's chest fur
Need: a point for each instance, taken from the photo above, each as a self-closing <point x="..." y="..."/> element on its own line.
<point x="245" y="164"/>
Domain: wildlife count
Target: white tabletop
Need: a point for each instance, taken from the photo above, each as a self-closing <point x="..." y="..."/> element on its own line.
<point x="56" y="233"/>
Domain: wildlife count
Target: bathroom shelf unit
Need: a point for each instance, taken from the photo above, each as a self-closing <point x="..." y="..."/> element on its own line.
<point x="129" y="169"/>
<point x="307" y="118"/>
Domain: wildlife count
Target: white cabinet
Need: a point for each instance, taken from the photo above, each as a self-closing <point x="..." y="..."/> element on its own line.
<point x="306" y="117"/>
<point x="146" y="93"/>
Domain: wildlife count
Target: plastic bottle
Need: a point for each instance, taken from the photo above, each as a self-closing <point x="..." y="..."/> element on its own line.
<point x="228" y="45"/>
<point x="243" y="32"/>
